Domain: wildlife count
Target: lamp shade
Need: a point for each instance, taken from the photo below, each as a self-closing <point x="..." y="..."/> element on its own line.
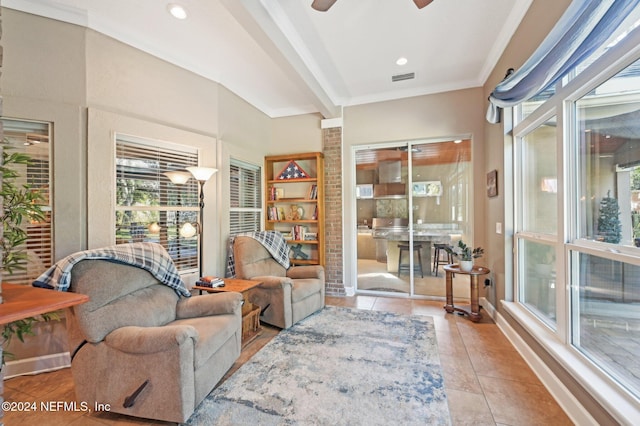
<point x="202" y="174"/>
<point x="187" y="230"/>
<point x="154" y="228"/>
<point x="178" y="176"/>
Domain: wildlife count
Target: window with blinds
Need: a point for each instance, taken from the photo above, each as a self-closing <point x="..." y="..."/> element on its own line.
<point x="149" y="207"/>
<point x="245" y="212"/>
<point x="33" y="139"/>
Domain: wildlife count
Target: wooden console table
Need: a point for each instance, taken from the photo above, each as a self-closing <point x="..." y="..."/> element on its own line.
<point x="24" y="301"/>
<point x="474" y="313"/>
<point x="250" y="312"/>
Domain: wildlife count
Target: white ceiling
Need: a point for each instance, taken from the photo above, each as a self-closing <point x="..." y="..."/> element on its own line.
<point x="285" y="58"/>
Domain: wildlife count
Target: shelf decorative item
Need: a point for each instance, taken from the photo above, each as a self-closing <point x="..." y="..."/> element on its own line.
<point x="295" y="213"/>
<point x="296" y="252"/>
<point x="292" y="171"/>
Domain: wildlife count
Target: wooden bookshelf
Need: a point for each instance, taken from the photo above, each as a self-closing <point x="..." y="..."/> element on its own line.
<point x="294" y="204"/>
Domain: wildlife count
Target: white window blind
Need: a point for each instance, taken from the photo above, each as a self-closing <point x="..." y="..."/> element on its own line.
<point x="245" y="211"/>
<point x="32" y="138"/>
<point x="149" y="207"/>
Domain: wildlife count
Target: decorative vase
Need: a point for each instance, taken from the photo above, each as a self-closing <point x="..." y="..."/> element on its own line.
<point x="466" y="265"/>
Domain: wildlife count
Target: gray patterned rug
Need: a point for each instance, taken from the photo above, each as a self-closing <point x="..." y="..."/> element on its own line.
<point x="339" y="366"/>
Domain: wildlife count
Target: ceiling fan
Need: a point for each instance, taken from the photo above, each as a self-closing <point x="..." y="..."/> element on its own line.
<point x="324" y="5"/>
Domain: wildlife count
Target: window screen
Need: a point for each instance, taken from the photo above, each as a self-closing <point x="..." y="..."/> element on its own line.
<point x="149" y="207"/>
<point x="34" y="139"/>
<point x="245" y="211"/>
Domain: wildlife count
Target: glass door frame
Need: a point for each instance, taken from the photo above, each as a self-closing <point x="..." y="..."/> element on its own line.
<point x="353" y="252"/>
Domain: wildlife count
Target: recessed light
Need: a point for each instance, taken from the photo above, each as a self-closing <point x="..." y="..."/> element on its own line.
<point x="458" y="141"/>
<point x="177" y="11"/>
<point x="402" y="61"/>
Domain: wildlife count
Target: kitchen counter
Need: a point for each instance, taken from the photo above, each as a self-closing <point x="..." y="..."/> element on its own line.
<point x="366" y="244"/>
<point x="423" y="236"/>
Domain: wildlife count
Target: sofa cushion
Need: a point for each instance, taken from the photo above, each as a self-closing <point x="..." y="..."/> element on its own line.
<point x="213" y="332"/>
<point x="114" y="288"/>
<point x="303" y="288"/>
<point x="252" y="259"/>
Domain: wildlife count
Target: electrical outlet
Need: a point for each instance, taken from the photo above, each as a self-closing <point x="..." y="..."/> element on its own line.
<point x="487" y="282"/>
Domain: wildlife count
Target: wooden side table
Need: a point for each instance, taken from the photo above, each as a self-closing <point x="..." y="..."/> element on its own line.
<point x="23" y="301"/>
<point x="250" y="312"/>
<point x="474" y="313"/>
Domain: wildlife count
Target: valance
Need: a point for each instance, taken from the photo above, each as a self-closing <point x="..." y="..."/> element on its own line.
<point x="582" y="29"/>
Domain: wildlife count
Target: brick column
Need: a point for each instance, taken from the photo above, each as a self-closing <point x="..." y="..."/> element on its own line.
<point x="1" y="147"/>
<point x="1" y="207"/>
<point x="332" y="142"/>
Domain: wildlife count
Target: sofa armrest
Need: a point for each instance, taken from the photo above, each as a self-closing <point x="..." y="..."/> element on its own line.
<point x="273" y="282"/>
<point x="146" y="340"/>
<point x="209" y="304"/>
<point x="310" y="271"/>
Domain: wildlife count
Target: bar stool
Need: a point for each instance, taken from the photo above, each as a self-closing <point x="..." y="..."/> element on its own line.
<point x="405" y="266"/>
<point x="438" y="251"/>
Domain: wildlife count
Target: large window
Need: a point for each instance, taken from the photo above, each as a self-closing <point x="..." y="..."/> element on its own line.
<point x="577" y="224"/>
<point x="537" y="220"/>
<point x="605" y="302"/>
<point x="33" y="139"/>
<point x="245" y="211"/>
<point x="149" y="207"/>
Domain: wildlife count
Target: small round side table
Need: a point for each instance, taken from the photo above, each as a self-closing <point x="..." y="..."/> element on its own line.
<point x="474" y="313"/>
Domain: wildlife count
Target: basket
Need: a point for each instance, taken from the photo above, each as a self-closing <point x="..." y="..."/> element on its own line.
<point x="250" y="320"/>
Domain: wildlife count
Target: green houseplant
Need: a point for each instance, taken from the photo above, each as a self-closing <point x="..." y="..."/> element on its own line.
<point x="20" y="204"/>
<point x="465" y="254"/>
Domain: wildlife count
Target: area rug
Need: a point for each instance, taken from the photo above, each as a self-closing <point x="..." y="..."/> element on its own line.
<point x="339" y="366"/>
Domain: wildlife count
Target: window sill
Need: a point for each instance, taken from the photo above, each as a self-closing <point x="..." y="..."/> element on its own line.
<point x="623" y="406"/>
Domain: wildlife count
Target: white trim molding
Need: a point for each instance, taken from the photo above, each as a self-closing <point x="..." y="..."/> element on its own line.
<point x="37" y="365"/>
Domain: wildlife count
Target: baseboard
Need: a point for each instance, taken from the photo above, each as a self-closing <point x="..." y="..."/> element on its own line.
<point x="488" y="307"/>
<point x="572" y="407"/>
<point x="36" y="365"/>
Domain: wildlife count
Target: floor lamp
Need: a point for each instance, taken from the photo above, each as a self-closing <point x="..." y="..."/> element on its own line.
<point x="202" y="175"/>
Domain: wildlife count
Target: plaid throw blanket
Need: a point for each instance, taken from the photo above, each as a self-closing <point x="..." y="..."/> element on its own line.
<point x="273" y="241"/>
<point x="151" y="257"/>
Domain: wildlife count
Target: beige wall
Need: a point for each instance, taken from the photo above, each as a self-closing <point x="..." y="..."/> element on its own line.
<point x="124" y="79"/>
<point x="299" y="133"/>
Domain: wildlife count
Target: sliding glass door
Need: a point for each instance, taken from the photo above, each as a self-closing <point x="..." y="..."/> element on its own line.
<point x="411" y="198"/>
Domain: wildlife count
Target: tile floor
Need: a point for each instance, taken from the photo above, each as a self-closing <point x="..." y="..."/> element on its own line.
<point x="486" y="380"/>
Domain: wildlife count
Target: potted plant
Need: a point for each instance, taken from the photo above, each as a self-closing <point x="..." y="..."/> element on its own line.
<point x="20" y="204"/>
<point x="465" y="254"/>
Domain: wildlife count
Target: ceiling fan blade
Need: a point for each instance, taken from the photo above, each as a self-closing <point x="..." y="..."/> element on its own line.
<point x="322" y="5"/>
<point x="422" y="3"/>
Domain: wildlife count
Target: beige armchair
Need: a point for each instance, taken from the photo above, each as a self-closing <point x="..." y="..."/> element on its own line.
<point x="286" y="295"/>
<point x="143" y="350"/>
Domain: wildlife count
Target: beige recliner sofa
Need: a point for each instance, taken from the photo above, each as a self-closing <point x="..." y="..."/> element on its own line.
<point x="135" y="330"/>
<point x="286" y="295"/>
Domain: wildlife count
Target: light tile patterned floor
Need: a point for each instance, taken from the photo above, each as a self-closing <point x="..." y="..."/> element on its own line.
<point x="487" y="381"/>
